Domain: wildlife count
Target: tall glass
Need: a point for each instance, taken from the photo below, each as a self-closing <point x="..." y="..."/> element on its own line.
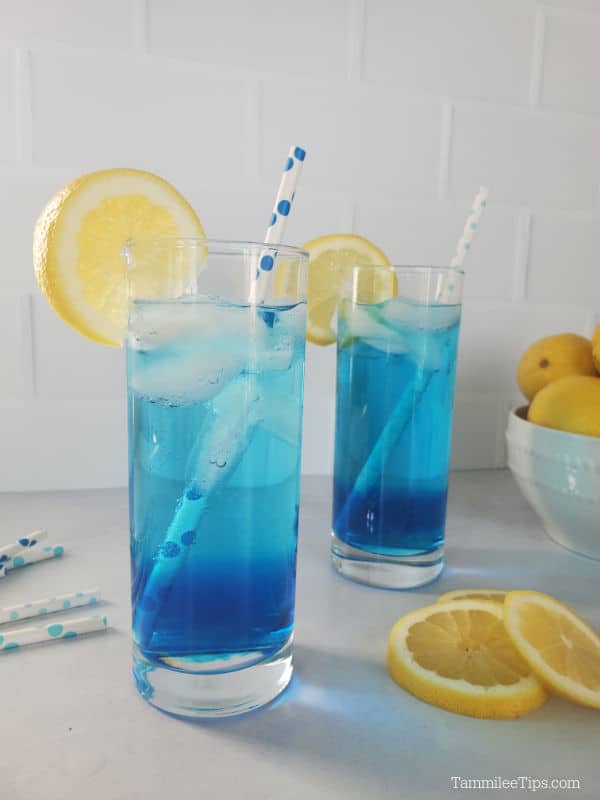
<point x="215" y="385"/>
<point x="396" y="365"/>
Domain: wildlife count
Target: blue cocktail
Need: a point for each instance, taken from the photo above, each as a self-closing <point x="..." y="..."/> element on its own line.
<point x="215" y="405"/>
<point x="395" y="391"/>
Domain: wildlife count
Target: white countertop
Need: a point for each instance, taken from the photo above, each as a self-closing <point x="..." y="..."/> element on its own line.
<point x="74" y="728"/>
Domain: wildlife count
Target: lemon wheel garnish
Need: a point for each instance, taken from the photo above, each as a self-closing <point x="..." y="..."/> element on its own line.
<point x="559" y="646"/>
<point x="458" y="656"/>
<point x="495" y="595"/>
<point x="78" y="241"/>
<point x="332" y="259"/>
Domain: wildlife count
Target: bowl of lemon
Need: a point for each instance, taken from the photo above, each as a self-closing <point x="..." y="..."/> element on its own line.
<point x="554" y="442"/>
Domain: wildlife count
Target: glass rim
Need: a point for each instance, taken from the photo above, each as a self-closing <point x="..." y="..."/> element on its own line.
<point x="417" y="269"/>
<point x="216" y="246"/>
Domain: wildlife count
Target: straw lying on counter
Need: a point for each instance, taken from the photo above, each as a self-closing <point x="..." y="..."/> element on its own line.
<point x="52" y="632"/>
<point x="35" y="554"/>
<point x="50" y="605"/>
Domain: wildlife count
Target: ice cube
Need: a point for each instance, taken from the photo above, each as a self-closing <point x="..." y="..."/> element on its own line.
<point x="402" y="313"/>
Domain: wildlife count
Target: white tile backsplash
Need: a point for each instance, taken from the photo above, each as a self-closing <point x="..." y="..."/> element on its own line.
<point x="405" y="109"/>
<point x="572" y="61"/>
<point x="308" y="38"/>
<point x="8" y="106"/>
<point x="458" y="48"/>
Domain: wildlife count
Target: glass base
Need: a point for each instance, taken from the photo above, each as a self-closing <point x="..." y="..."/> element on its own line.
<point x="387" y="572"/>
<point x="213" y="694"/>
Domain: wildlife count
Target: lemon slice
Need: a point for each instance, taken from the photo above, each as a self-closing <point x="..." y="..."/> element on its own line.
<point x="559" y="646"/>
<point x="78" y="240"/>
<point x="495" y="595"/>
<point x="458" y="656"/>
<point x="330" y="266"/>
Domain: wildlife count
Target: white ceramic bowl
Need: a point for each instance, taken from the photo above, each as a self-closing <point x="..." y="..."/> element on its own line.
<point x="559" y="474"/>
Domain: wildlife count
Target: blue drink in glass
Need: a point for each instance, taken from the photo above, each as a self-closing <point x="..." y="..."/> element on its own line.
<point x="395" y="391"/>
<point x="215" y="407"/>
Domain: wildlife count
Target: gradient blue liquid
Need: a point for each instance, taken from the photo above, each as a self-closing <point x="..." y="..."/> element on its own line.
<point x="402" y="510"/>
<point x="231" y="599"/>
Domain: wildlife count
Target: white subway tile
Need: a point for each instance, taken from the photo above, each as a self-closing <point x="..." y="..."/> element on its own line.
<point x="493" y="338"/>
<point x="243" y="213"/>
<point x="427" y="235"/>
<point x="93" y="111"/>
<point x="319" y="410"/>
<point x="526" y="157"/>
<point x="10" y="368"/>
<point x="572" y="62"/>
<point x="474" y="434"/>
<point x="60" y="354"/>
<point x="356" y="137"/>
<point x="564" y="259"/>
<point x="8" y="149"/>
<point x="463" y="48"/>
<point x="283" y="37"/>
<point x="103" y="24"/>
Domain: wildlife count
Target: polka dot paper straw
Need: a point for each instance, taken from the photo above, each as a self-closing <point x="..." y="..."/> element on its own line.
<point x="35" y="554"/>
<point x="465" y="241"/>
<point x="9" y="551"/>
<point x="446" y="289"/>
<point x="52" y="632"/>
<point x="49" y="605"/>
<point x="284" y="201"/>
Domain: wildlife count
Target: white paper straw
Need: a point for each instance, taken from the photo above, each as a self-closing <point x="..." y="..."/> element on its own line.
<point x="447" y="285"/>
<point x="49" y="605"/>
<point x="35" y="554"/>
<point x="22" y="543"/>
<point x="52" y="632"/>
<point x="282" y="207"/>
<point x="464" y="243"/>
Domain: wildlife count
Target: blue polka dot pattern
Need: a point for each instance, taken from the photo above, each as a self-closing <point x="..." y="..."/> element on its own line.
<point x="284" y="207"/>
<point x="299" y="153"/>
<point x="11" y="646"/>
<point x="66" y="604"/>
<point x="289" y="164"/>
<point x="3" y="559"/>
<point x="18" y="561"/>
<point x="70" y="635"/>
<point x="170" y="550"/>
<point x="193" y="493"/>
<point x="273" y="219"/>
<point x="55" y="630"/>
<point x="43" y="611"/>
<point x="105" y="620"/>
<point x="266" y="263"/>
<point x="188" y="538"/>
<point x="92" y="601"/>
<point x="269" y="317"/>
<point x="1" y="639"/>
<point x="58" y="551"/>
<point x="14" y="615"/>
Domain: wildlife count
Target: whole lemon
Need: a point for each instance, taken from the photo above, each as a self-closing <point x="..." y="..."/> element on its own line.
<point x="552" y="358"/>
<point x="570" y="404"/>
<point x="596" y="348"/>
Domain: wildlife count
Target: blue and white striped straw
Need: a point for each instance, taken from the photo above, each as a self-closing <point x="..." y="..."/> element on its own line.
<point x="282" y="207"/>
